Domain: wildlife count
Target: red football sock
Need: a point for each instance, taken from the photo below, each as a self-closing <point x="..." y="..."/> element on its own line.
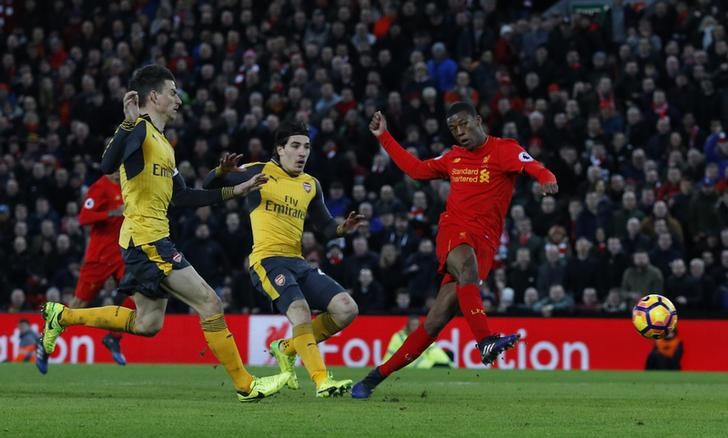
<point x="471" y="304"/>
<point x="416" y="343"/>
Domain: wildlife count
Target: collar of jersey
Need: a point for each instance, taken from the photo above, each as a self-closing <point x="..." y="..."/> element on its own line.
<point x="274" y="161"/>
<point x="482" y="145"/>
<point x="149" y="119"/>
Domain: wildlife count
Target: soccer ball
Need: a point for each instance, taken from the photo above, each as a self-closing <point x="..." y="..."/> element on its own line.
<point x="654" y="317"/>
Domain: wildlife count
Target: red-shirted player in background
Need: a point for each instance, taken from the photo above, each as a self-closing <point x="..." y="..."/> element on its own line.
<point x="103" y="211"/>
<point x="482" y="173"/>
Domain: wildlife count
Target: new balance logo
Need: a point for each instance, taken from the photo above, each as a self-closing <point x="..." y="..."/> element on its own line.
<point x="477" y="311"/>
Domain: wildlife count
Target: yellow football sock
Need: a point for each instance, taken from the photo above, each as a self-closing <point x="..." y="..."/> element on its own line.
<point x="222" y="344"/>
<point x="116" y="318"/>
<point x="324" y="327"/>
<point x="306" y="347"/>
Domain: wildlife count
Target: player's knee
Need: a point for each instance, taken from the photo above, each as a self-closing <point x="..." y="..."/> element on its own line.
<point x="344" y="309"/>
<point x="468" y="271"/>
<point x="353" y="310"/>
<point x="299" y="312"/>
<point x="299" y="306"/>
<point x="212" y="305"/>
<point x="433" y="326"/>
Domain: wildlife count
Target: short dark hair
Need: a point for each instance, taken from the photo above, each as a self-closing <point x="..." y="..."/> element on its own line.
<point x="285" y="131"/>
<point x="459" y="107"/>
<point x="148" y="78"/>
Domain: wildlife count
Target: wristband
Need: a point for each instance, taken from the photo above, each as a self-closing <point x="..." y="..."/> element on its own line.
<point x="228" y="193"/>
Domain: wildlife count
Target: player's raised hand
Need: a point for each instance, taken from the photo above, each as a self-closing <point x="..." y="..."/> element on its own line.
<point x="378" y="124"/>
<point x="352" y="222"/>
<point x="229" y="163"/>
<point x="549" y="188"/>
<point x="251" y="185"/>
<point x="131" y="106"/>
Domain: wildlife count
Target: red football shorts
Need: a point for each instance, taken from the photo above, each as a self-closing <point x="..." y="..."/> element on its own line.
<point x="450" y="236"/>
<point x="93" y="275"/>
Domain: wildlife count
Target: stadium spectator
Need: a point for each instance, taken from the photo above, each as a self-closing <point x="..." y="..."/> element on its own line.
<point x="552" y="271"/>
<point x="589" y="304"/>
<point x="361" y="258"/>
<point x="613" y="262"/>
<point x="530" y="298"/>
<point x="641" y="277"/>
<point x="17" y="302"/>
<point x="523" y="274"/>
<point x="369" y="294"/>
<point x="389" y="270"/>
<point x="705" y="285"/>
<point x="27" y="338"/>
<point x="420" y="270"/>
<point x="557" y="303"/>
<point x="581" y="269"/>
<point x="680" y="288"/>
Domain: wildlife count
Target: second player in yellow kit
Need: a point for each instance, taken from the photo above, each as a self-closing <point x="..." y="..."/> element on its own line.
<point x="277" y="215"/>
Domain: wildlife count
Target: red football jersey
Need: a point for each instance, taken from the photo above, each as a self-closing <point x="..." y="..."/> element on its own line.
<point x="481" y="180"/>
<point x="103" y="196"/>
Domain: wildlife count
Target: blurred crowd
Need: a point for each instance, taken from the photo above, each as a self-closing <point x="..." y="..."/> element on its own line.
<point x="628" y="106"/>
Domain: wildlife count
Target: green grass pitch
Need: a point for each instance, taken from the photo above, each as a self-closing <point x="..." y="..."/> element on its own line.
<point x="148" y="400"/>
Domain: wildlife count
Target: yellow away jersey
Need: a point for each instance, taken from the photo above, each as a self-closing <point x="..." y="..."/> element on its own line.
<point x="278" y="211"/>
<point x="277" y="219"/>
<point x="146" y="186"/>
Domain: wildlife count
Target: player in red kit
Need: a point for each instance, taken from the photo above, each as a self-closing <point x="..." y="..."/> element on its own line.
<point x="102" y="210"/>
<point x="482" y="173"/>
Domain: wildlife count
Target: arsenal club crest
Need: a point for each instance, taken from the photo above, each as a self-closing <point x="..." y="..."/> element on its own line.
<point x="177" y="257"/>
<point x="280" y="280"/>
<point x="307" y="187"/>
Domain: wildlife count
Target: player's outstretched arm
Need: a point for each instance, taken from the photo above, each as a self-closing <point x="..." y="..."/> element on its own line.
<point x="545" y="178"/>
<point x="407" y="162"/>
<point x="128" y="137"/>
<point x="516" y="159"/>
<point x="183" y="196"/>
<point x="229" y="173"/>
<point x="325" y="223"/>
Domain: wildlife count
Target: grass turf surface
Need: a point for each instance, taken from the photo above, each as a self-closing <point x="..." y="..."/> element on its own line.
<point x="153" y="400"/>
